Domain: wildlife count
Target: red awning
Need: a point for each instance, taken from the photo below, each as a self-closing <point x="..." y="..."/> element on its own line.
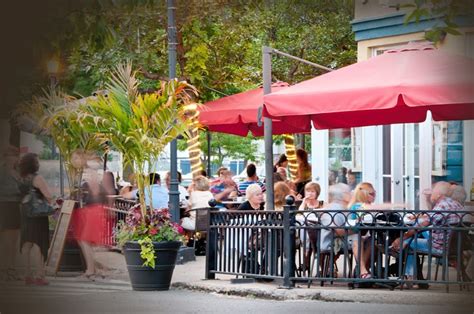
<point x="399" y="86"/>
<point x="238" y="114"/>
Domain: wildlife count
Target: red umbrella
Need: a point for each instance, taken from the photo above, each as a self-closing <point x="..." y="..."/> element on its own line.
<point x="399" y="86"/>
<point x="238" y="114"/>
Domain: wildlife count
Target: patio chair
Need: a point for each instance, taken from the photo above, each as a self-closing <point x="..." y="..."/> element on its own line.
<point x="458" y="242"/>
<point x="325" y="257"/>
<point x="199" y="233"/>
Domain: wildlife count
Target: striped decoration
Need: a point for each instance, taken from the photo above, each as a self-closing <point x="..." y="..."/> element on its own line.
<point x="194" y="146"/>
<point x="291" y="154"/>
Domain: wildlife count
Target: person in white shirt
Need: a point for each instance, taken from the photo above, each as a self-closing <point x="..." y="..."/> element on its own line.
<point x="199" y="198"/>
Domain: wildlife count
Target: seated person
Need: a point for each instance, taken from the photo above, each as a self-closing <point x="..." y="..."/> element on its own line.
<point x="441" y="202"/>
<point x="126" y="190"/>
<point x="351" y="180"/>
<point x="199" y="197"/>
<point x="310" y="202"/>
<point x="130" y="191"/>
<point x="283" y="173"/>
<point x="457" y="193"/>
<point x="254" y="200"/>
<point x="339" y="195"/>
<point x="281" y="191"/>
<point x="225" y="188"/>
<point x="183" y="193"/>
<point x="251" y="179"/>
<point x="311" y="192"/>
<point x="220" y="173"/>
<point x="364" y="196"/>
<point x="159" y="197"/>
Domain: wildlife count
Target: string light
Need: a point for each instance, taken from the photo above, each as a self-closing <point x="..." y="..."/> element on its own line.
<point x="194" y="146"/>
<point x="291" y="154"/>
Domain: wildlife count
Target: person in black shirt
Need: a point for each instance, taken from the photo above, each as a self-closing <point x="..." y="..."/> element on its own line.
<point x="254" y="196"/>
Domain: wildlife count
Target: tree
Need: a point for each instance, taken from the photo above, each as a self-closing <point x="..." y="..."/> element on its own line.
<point x="446" y="13"/>
<point x="219" y="43"/>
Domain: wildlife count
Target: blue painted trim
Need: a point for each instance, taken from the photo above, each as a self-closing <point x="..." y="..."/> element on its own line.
<point x="391" y="25"/>
<point x="455" y="161"/>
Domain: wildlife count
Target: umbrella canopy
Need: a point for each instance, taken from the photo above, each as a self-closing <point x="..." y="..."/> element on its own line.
<point x="399" y="86"/>
<point x="238" y="114"/>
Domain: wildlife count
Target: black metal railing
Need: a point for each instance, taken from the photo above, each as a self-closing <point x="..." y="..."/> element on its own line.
<point x="114" y="214"/>
<point x="335" y="245"/>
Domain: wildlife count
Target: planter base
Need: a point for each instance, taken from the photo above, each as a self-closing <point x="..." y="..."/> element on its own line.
<point x="145" y="278"/>
<point x="185" y="254"/>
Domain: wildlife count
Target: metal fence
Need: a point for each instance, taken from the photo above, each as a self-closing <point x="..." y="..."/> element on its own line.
<point x="335" y="245"/>
<point x="114" y="214"/>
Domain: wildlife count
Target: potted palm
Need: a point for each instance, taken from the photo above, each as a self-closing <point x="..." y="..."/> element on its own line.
<point x="140" y="126"/>
<point x="54" y="113"/>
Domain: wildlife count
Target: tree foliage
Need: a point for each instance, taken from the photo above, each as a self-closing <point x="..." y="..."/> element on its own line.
<point x="138" y="125"/>
<point x="445" y="11"/>
<point x="219" y="44"/>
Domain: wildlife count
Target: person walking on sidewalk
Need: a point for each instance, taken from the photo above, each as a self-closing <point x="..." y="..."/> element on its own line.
<point x="34" y="230"/>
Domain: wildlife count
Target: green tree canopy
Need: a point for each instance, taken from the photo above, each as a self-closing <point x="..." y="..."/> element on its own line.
<point x="219" y="44"/>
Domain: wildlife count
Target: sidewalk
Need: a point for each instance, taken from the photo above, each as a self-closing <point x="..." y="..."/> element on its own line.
<point x="190" y="276"/>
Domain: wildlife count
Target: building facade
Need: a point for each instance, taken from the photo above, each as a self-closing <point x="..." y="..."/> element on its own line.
<point x="401" y="160"/>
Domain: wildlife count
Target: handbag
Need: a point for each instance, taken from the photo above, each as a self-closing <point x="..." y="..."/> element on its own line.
<point x="35" y="205"/>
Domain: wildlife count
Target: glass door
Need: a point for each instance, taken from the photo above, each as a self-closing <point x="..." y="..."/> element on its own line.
<point x="411" y="165"/>
<point x="400" y="164"/>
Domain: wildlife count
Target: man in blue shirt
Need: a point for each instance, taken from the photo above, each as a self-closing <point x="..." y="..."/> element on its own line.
<point x="159" y="194"/>
<point x="252" y="178"/>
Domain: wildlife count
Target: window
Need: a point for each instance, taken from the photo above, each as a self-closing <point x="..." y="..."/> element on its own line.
<point x="440" y="140"/>
<point x="345" y="151"/>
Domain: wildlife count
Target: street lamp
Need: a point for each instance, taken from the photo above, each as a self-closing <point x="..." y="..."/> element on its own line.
<point x="53" y="69"/>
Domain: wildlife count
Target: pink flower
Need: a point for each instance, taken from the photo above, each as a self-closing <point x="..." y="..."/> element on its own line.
<point x="153" y="231"/>
<point x="178" y="228"/>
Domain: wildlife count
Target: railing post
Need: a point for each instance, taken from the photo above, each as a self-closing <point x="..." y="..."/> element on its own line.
<point x="211" y="245"/>
<point x="289" y="241"/>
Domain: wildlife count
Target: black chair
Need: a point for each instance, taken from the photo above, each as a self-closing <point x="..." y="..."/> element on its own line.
<point x="199" y="233"/>
<point x="448" y="258"/>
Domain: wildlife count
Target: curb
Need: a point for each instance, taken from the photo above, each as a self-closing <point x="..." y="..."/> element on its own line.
<point x="276" y="295"/>
<point x="405" y="297"/>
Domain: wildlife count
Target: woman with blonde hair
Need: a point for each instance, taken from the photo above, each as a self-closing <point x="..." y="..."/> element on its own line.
<point x="364" y="195"/>
<point x="199" y="197"/>
<point x="254" y="195"/>
<point x="363" y="199"/>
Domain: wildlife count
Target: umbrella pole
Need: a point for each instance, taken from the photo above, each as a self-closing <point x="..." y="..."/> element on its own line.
<point x="267" y="89"/>
<point x="208" y="153"/>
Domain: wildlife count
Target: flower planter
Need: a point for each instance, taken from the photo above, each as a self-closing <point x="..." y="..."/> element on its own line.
<point x="144" y="278"/>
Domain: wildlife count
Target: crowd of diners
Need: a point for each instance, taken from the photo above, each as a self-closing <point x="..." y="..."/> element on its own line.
<point x="344" y="193"/>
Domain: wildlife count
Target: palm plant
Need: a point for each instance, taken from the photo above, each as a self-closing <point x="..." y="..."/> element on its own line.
<point x="55" y="114"/>
<point x="139" y="126"/>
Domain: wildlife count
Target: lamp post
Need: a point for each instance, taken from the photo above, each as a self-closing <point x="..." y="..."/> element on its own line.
<point x="53" y="70"/>
<point x="174" y="192"/>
